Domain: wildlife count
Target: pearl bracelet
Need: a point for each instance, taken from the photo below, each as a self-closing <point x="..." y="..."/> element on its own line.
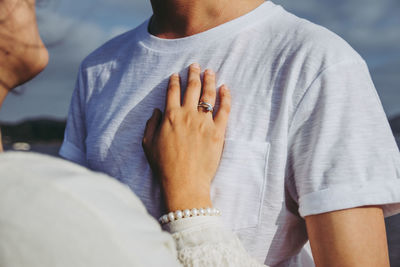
<point x="180" y="214"/>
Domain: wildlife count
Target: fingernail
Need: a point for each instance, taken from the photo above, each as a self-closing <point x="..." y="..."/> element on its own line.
<point x="195" y="65"/>
<point x="210" y="72"/>
<point x="176" y="75"/>
<point x="224" y="88"/>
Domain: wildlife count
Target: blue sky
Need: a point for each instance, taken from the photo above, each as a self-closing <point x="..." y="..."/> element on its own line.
<point x="73" y="28"/>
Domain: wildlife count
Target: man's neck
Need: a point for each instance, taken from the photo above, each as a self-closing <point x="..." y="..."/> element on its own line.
<point x="180" y="18"/>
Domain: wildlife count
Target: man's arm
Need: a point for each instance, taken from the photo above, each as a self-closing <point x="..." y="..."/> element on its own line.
<point x="351" y="237"/>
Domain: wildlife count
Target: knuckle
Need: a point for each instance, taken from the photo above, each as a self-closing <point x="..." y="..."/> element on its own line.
<point x="174" y="78"/>
<point x="210" y="73"/>
<point x="174" y="87"/>
<point x="194" y="69"/>
<point x="208" y="94"/>
<point x="210" y="79"/>
<point x="170" y="115"/>
<point x="187" y="119"/>
<point x="227" y="108"/>
<point x="203" y="127"/>
<point x="194" y="83"/>
<point x="225" y="94"/>
<point x="218" y="136"/>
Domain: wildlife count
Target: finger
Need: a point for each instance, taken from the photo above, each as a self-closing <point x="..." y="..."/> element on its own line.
<point x="221" y="118"/>
<point x="209" y="92"/>
<point x="193" y="89"/>
<point x="173" y="99"/>
<point x="151" y="127"/>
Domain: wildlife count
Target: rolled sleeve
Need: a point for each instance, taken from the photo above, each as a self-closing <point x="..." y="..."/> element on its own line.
<point x="71" y="152"/>
<point x="74" y="147"/>
<point x="342" y="152"/>
<point x="382" y="193"/>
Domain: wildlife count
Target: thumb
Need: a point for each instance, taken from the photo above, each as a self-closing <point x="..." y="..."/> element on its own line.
<point x="151" y="128"/>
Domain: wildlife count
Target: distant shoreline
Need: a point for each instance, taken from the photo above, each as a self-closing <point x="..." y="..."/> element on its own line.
<point x="45" y="135"/>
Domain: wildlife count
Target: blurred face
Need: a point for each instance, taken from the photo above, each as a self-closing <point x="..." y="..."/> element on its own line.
<point x="22" y="52"/>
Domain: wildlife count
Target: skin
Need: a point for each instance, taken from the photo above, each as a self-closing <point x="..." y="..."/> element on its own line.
<point x="182" y="135"/>
<point x="181" y="18"/>
<point x="174" y="145"/>
<point x="22" y="52"/>
<point x="352" y="237"/>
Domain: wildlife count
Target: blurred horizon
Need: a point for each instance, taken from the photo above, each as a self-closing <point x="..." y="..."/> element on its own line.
<point x="72" y="29"/>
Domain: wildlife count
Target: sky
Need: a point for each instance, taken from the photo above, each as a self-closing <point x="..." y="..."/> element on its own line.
<point x="72" y="29"/>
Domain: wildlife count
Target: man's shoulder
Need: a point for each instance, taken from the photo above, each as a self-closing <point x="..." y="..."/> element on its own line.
<point x="314" y="42"/>
<point x="113" y="49"/>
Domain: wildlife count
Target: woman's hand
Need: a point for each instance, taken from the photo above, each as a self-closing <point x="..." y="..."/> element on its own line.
<point x="184" y="145"/>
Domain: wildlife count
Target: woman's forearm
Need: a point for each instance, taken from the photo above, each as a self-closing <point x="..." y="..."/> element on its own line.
<point x="184" y="147"/>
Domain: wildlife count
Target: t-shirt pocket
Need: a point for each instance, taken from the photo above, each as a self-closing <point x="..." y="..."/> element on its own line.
<point x="239" y="185"/>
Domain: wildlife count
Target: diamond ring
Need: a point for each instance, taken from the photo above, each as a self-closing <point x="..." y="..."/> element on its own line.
<point x="206" y="106"/>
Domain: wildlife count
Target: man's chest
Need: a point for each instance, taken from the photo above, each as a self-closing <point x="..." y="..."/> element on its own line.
<point x="117" y="113"/>
<point x="113" y="146"/>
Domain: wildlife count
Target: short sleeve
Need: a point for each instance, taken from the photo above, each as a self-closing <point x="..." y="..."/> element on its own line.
<point x="341" y="152"/>
<point x="73" y="147"/>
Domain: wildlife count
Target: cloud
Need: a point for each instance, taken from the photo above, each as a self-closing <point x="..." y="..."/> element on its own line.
<point x="74" y="28"/>
<point x="118" y="30"/>
<point x="372" y="28"/>
<point x="142" y="6"/>
<point x="69" y="42"/>
<point x="71" y="30"/>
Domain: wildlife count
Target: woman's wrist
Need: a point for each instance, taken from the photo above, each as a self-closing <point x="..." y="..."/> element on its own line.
<point x="184" y="146"/>
<point x="177" y="216"/>
<point x="180" y="195"/>
<point x="187" y="200"/>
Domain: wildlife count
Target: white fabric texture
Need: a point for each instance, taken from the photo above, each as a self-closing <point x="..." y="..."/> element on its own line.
<point x="54" y="213"/>
<point x="306" y="135"/>
<point x="203" y="241"/>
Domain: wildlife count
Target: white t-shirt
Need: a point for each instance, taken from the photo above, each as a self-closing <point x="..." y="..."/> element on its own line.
<point x="306" y="135"/>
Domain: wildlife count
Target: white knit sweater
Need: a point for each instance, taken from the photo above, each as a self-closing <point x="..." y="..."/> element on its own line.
<point x="204" y="241"/>
<point x="57" y="214"/>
